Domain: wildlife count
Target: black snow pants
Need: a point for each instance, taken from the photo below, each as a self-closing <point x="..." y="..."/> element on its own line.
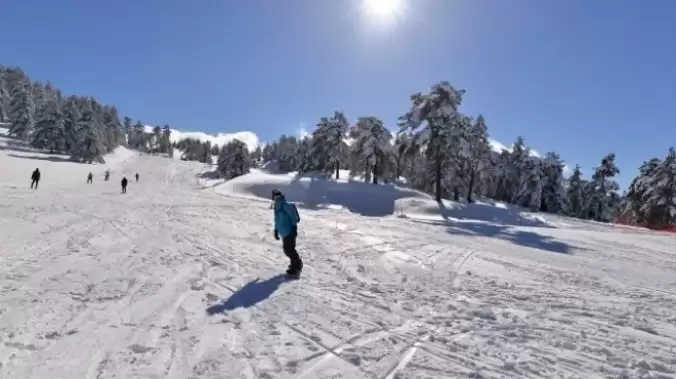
<point x="289" y="246"/>
<point x="35" y="183"/>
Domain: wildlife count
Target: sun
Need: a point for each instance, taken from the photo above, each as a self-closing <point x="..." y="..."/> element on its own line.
<point x="383" y="10"/>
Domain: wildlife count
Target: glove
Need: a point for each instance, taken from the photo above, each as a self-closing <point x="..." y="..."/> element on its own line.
<point x="276" y="235"/>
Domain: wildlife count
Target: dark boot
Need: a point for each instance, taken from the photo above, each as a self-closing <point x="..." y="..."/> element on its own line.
<point x="289" y="246"/>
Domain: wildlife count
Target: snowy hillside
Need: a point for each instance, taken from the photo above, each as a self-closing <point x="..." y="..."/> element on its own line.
<point x="249" y="138"/>
<point x="177" y="281"/>
<point x="19" y="159"/>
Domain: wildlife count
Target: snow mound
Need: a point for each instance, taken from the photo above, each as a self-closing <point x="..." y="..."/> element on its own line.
<point x="322" y="191"/>
<point x="481" y="211"/>
<point x="318" y="193"/>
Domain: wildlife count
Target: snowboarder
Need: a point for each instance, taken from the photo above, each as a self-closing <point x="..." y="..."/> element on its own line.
<point x="124" y="184"/>
<point x="107" y="175"/>
<point x="35" y="178"/>
<point x="90" y="178"/>
<point x="137" y="176"/>
<point x="286" y="226"/>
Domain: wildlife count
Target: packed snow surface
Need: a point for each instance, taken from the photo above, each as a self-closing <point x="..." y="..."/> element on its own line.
<point x="173" y="280"/>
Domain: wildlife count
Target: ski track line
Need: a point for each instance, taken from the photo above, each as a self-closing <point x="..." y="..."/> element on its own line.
<point x="102" y="352"/>
<point x="656" y="290"/>
<point x="95" y="363"/>
<point x="457" y="270"/>
<point x="358" y="339"/>
<point x="406" y="358"/>
<point x="294" y="329"/>
<point x="327" y="355"/>
<point x="174" y="370"/>
<point x="328" y="349"/>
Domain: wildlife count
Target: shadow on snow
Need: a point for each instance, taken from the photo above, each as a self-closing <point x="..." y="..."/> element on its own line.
<point x="248" y="296"/>
<point x="366" y="199"/>
<point x="504" y="232"/>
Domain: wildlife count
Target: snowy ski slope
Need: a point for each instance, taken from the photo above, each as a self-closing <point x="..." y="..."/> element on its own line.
<point x="176" y="281"/>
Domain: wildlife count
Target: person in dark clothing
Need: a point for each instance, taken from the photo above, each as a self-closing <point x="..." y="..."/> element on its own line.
<point x="107" y="175"/>
<point x="137" y="176"/>
<point x="286" y="227"/>
<point x="35" y="178"/>
<point x="124" y="185"/>
<point x="90" y="178"/>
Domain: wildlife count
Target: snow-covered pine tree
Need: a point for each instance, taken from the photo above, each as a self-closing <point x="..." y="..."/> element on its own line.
<point x="637" y="208"/>
<point x="22" y="110"/>
<point x="114" y="133"/>
<point x="488" y="175"/>
<point x="39" y="96"/>
<point x="206" y="152"/>
<point x="157" y="134"/>
<point x="256" y="156"/>
<point x="575" y="193"/>
<point x="128" y="129"/>
<point x="479" y="153"/>
<point x="437" y="113"/>
<point x="233" y="160"/>
<point x="371" y="150"/>
<point x="401" y="146"/>
<point x="71" y="117"/>
<point x="517" y="157"/>
<point x="268" y="153"/>
<point x="304" y="154"/>
<point x="661" y="192"/>
<point x="50" y="132"/>
<point x="608" y="169"/>
<point x="504" y="175"/>
<point x="287" y="153"/>
<point x="89" y="146"/>
<point x="138" y="136"/>
<point x="554" y="198"/>
<point x="530" y="190"/>
<point x="457" y="164"/>
<point x="166" y="139"/>
<point x="4" y="97"/>
<point x="328" y="142"/>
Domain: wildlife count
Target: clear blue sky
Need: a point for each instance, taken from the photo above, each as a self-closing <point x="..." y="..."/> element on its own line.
<point x="579" y="77"/>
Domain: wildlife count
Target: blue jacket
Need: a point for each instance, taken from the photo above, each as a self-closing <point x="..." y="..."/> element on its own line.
<point x="285" y="217"/>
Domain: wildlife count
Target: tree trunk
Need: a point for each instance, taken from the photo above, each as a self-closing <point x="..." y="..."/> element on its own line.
<point x="375" y="174"/>
<point x="437" y="173"/>
<point x="603" y="197"/>
<point x="398" y="173"/>
<point x="471" y="186"/>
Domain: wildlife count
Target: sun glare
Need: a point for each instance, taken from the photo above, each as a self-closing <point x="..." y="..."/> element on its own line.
<point x="383" y="10"/>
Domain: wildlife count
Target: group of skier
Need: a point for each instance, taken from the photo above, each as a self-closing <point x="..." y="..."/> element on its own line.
<point x="286" y="219"/>
<point x="35" y="179"/>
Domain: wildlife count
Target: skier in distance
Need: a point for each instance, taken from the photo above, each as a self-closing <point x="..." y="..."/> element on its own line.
<point x="124" y="184"/>
<point x="286" y="226"/>
<point x="35" y="178"/>
<point x="90" y="178"/>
